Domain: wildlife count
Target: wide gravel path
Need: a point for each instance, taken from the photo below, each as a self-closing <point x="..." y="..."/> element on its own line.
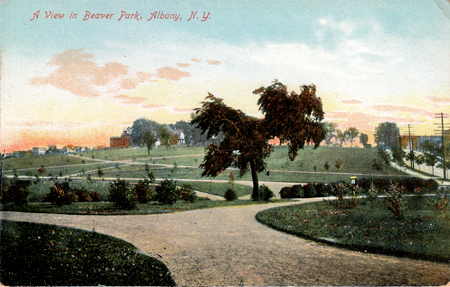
<point x="227" y="246"/>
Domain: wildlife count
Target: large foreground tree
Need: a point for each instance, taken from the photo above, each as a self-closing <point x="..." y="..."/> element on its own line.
<point x="295" y="119"/>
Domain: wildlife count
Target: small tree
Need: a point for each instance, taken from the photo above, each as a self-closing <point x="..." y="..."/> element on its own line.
<point x="411" y="156"/>
<point x="164" y="136"/>
<point x="352" y="134"/>
<point x="430" y="160"/>
<point x="17" y="192"/>
<point x="187" y="193"/>
<point x="363" y="139"/>
<point x="149" y="140"/>
<point x="166" y="192"/>
<point x="100" y="173"/>
<point x="122" y="195"/>
<point x="420" y="159"/>
<point x="61" y="194"/>
<point x="143" y="191"/>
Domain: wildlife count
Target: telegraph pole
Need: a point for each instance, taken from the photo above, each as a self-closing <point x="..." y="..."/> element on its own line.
<point x="441" y="130"/>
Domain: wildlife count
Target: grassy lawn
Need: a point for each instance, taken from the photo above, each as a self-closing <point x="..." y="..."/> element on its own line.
<point x="218" y="188"/>
<point x="107" y="208"/>
<point x="423" y="232"/>
<point x="354" y="160"/>
<point x="36" y="254"/>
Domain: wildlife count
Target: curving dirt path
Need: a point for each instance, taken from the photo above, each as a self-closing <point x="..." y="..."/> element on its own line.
<point x="227" y="246"/>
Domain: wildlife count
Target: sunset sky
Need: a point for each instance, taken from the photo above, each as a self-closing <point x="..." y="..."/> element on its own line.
<point x="74" y="81"/>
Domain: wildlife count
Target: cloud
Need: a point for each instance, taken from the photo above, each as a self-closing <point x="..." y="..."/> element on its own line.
<point x="196" y="60"/>
<point x="214" y="62"/>
<point x="168" y="108"/>
<point x="402" y="109"/>
<point x="48" y="125"/>
<point x="170" y="73"/>
<point x="132" y="82"/>
<point x="362" y="120"/>
<point x="351" y="101"/>
<point x="79" y="75"/>
<point x="131" y="100"/>
<point x="183" y="65"/>
<point x="438" y="100"/>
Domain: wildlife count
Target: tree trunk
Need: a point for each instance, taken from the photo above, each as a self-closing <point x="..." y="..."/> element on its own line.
<point x="255" y="194"/>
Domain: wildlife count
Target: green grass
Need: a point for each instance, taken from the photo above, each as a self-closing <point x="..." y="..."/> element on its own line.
<point x="423" y="232"/>
<point x="34" y="161"/>
<point x="107" y="208"/>
<point x="354" y="161"/>
<point x="218" y="188"/>
<point x="36" y="254"/>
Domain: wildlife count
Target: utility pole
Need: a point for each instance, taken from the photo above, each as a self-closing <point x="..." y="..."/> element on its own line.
<point x="410" y="146"/>
<point x="441" y="130"/>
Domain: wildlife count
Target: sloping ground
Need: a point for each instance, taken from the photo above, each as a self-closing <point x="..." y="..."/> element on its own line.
<point x="227" y="246"/>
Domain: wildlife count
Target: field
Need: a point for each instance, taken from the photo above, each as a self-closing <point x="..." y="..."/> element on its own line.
<point x="183" y="162"/>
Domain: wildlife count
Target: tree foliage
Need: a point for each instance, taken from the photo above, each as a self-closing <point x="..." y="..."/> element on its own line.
<point x="164" y="136"/>
<point x="149" y="139"/>
<point x="330" y="129"/>
<point x="363" y="139"/>
<point x="352" y="134"/>
<point x="386" y="135"/>
<point x="293" y="118"/>
<point x="140" y="126"/>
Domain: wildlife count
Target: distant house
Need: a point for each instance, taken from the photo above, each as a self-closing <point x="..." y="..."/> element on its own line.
<point x="39" y="150"/>
<point x="180" y="135"/>
<point x="409" y="142"/>
<point x="123" y="141"/>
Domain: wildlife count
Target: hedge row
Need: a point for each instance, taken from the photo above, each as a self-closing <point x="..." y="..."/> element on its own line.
<point x="382" y="183"/>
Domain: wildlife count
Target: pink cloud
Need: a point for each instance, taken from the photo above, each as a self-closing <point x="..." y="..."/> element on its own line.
<point x="79" y="75"/>
<point x="352" y="102"/>
<point x="141" y="77"/>
<point x="47" y="125"/>
<point x="183" y="65"/>
<point x="214" y="62"/>
<point x="170" y="73"/>
<point x="131" y="100"/>
<point x="365" y="121"/>
<point x="396" y="108"/>
<point x="196" y="60"/>
<point x="152" y="106"/>
<point x="439" y="100"/>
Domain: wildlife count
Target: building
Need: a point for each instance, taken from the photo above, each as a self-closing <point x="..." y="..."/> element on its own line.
<point x="39" y="150"/>
<point x="409" y="142"/>
<point x="123" y="141"/>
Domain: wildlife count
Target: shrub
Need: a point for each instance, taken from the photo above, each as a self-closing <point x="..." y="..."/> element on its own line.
<point x="187" y="193"/>
<point x="339" y="190"/>
<point x="372" y="193"/>
<point x="265" y="192"/>
<point x="144" y="192"/>
<point x="230" y="195"/>
<point x="60" y="194"/>
<point x="309" y="190"/>
<point x="87" y="196"/>
<point x="395" y="201"/>
<point x="122" y="195"/>
<point x="17" y="192"/>
<point x="166" y="192"/>
<point x="285" y="192"/>
<point x="322" y="190"/>
<point x="83" y="195"/>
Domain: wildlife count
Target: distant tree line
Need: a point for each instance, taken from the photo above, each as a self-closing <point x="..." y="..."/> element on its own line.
<point x="145" y="132"/>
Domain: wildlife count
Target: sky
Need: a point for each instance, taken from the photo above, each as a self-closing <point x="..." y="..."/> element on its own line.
<point x="80" y="72"/>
